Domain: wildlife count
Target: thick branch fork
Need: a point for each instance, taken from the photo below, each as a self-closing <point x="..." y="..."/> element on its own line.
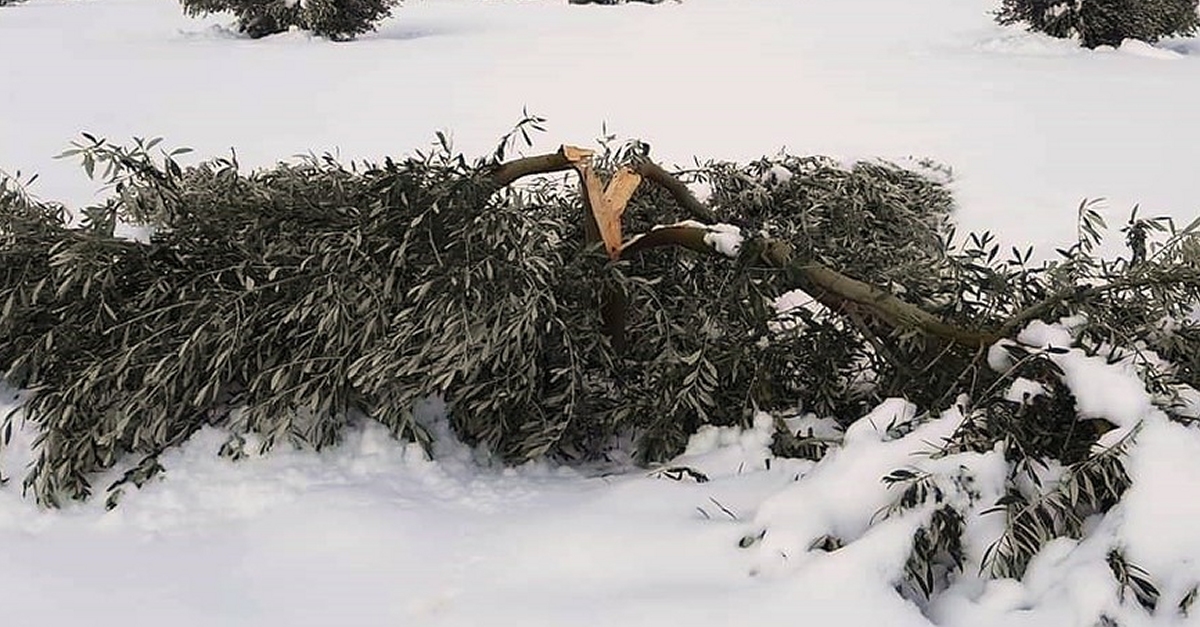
<point x="606" y="204"/>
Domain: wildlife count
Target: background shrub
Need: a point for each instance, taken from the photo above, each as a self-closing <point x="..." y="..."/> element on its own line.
<point x="335" y="19"/>
<point x="343" y="19"/>
<point x="1103" y="22"/>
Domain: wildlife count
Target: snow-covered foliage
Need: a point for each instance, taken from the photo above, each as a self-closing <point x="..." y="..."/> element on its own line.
<point x="725" y="239"/>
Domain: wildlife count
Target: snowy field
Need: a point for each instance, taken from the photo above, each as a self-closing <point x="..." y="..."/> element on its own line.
<point x="373" y="533"/>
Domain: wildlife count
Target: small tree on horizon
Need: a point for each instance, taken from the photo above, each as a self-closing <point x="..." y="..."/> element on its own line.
<point x="1102" y="22"/>
<point x="339" y="20"/>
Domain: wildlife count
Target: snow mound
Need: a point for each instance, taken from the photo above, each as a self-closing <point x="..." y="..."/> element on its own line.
<point x="1136" y="48"/>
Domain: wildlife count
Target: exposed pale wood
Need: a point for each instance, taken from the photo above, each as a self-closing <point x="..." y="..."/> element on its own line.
<point x="606" y="203"/>
<point x="616" y="196"/>
<point x="575" y="154"/>
<point x="593" y="201"/>
<point x="620" y="189"/>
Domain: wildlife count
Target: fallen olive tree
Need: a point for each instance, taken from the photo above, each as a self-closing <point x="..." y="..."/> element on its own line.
<point x="563" y="304"/>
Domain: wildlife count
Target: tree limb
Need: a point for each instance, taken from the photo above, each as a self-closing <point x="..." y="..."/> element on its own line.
<point x="678" y="190"/>
<point x="690" y="237"/>
<point x="833" y="289"/>
<point x="838" y="291"/>
<point x="1079" y="293"/>
<point x="509" y="172"/>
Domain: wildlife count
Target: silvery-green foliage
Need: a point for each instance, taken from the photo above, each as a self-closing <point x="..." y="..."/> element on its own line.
<point x="1089" y="487"/>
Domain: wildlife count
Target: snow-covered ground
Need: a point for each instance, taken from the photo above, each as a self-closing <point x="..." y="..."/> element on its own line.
<point x="372" y="533"/>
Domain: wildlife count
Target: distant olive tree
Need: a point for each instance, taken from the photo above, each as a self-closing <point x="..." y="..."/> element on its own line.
<point x="336" y="19"/>
<point x="1102" y="22"/>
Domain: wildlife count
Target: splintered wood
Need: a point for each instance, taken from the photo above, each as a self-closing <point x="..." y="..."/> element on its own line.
<point x="605" y="202"/>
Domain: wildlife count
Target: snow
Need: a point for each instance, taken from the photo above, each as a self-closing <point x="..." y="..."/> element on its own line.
<point x="373" y="532"/>
<point x="1109" y="391"/>
<point x="1143" y="49"/>
<point x="998" y="358"/>
<point x="725" y="239"/>
<point x="778" y="174"/>
<point x="1023" y="390"/>
<point x="1042" y="335"/>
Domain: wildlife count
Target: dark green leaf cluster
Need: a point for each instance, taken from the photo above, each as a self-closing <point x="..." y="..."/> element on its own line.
<point x="937" y="552"/>
<point x="1135" y="306"/>
<point x="335" y="19"/>
<point x="1035" y="512"/>
<point x="1040" y="427"/>
<point x="1133" y="580"/>
<point x="1103" y="22"/>
<point x="284" y="302"/>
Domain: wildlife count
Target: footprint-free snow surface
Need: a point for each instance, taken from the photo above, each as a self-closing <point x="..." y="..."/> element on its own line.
<point x="373" y="532"/>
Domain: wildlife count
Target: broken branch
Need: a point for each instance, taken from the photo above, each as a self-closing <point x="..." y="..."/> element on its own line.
<point x="678" y="190"/>
<point x="509" y="172"/>
<point x="837" y="291"/>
